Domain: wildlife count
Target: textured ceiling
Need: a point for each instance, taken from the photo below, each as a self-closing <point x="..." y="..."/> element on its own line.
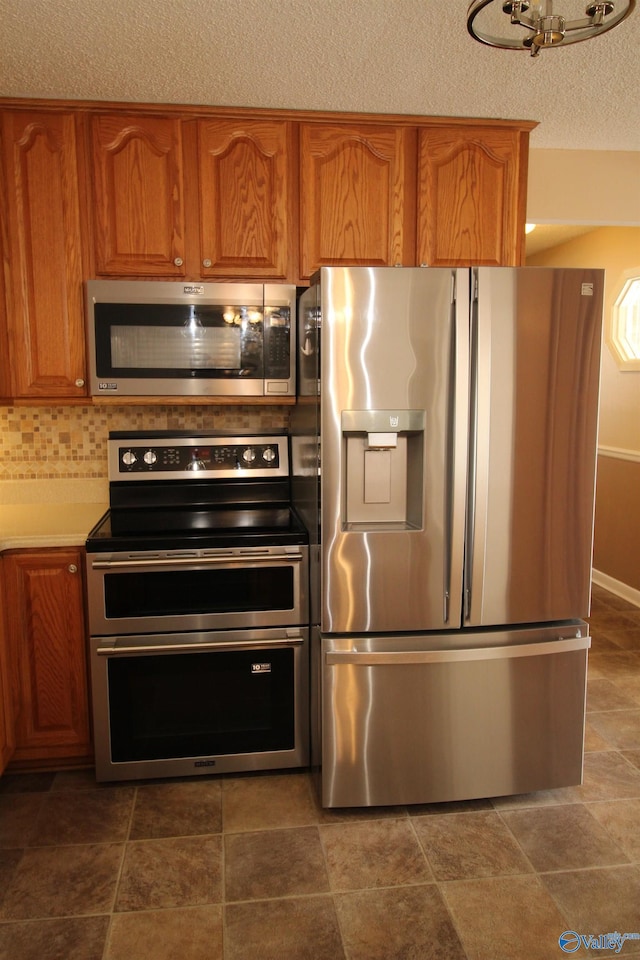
<point x="380" y="56"/>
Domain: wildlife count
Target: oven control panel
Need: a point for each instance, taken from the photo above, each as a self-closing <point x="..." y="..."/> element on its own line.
<point x="164" y="456"/>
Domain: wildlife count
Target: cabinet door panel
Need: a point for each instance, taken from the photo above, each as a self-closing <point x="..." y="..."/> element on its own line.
<point x="6" y="733"/>
<point x="470" y="201"/>
<point x="354" y="193"/>
<point x="7" y="739"/>
<point x="245" y="207"/>
<point x="47" y="636"/>
<point x="5" y="363"/>
<point x="138" y="195"/>
<point x="44" y="296"/>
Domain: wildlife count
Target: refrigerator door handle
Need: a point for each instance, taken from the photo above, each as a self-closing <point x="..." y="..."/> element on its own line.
<point x="450" y="457"/>
<point x="472" y="451"/>
<point x="481" y="425"/>
<point x="456" y="453"/>
<point x="391" y="657"/>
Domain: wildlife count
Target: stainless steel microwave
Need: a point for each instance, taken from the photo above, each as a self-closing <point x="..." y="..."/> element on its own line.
<point x="169" y="338"/>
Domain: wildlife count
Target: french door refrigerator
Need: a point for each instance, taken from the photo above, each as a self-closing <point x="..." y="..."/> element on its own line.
<point x="444" y="449"/>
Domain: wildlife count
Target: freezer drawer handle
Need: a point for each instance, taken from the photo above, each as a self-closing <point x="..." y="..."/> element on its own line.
<point x="390" y="657"/>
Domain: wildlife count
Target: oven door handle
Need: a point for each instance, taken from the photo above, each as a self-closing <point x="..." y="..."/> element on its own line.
<point x="294" y="640"/>
<point x="196" y="561"/>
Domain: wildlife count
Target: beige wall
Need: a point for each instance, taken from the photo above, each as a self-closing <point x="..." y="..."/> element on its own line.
<point x="617" y="529"/>
<point x="584" y="186"/>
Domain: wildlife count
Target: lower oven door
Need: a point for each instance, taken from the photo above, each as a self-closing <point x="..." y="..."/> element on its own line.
<point x="197" y="590"/>
<point x="200" y="703"/>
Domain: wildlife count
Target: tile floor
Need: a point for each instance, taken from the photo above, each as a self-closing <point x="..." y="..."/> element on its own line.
<point x="250" y="868"/>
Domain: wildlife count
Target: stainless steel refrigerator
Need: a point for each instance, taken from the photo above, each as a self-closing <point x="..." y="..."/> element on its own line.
<point x="444" y="449"/>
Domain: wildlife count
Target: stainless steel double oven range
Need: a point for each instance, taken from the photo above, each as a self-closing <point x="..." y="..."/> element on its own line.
<point x="197" y="586"/>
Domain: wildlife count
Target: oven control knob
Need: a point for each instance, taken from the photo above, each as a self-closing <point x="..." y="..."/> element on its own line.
<point x="249" y="455"/>
<point x="150" y="457"/>
<point x="269" y="455"/>
<point x="196" y="465"/>
<point x="129" y="458"/>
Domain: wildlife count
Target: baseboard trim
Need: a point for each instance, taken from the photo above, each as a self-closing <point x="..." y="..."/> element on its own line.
<point x="620" y="589"/>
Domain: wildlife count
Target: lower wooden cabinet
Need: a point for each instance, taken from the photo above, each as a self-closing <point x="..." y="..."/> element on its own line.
<point x="7" y="744"/>
<point x="46" y="646"/>
<point x="6" y="735"/>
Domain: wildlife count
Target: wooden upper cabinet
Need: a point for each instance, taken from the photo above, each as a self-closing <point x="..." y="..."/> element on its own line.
<point x="44" y="251"/>
<point x="471" y="196"/>
<point x="5" y="362"/>
<point x="138" y="195"/>
<point x="356" y="195"/>
<point x="245" y="204"/>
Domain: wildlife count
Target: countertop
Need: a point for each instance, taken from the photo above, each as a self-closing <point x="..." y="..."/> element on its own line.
<point x="49" y="513"/>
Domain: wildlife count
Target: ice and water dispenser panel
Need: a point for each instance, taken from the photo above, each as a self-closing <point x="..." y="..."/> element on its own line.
<point x="383" y="469"/>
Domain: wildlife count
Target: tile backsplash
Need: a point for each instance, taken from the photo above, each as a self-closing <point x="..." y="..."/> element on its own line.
<point x="53" y="443"/>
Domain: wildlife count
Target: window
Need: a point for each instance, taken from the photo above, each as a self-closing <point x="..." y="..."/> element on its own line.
<point x="625" y="323"/>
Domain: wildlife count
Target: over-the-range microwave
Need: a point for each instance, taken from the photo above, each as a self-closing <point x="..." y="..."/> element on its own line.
<point x="169" y="338"/>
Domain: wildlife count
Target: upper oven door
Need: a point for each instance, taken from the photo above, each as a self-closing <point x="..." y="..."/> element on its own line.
<point x="191" y="590"/>
<point x="161" y="338"/>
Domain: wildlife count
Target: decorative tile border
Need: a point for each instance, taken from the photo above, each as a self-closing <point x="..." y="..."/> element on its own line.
<point x="52" y="443"/>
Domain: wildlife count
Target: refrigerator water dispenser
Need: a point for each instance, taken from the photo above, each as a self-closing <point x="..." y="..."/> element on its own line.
<point x="383" y="470"/>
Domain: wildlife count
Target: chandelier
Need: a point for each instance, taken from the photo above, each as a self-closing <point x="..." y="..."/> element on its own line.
<point x="499" y="23"/>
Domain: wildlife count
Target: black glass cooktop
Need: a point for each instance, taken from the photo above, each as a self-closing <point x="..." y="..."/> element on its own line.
<point x="178" y="529"/>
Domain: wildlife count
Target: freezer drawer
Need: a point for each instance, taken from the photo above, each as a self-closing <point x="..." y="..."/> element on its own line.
<point x="423" y="719"/>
